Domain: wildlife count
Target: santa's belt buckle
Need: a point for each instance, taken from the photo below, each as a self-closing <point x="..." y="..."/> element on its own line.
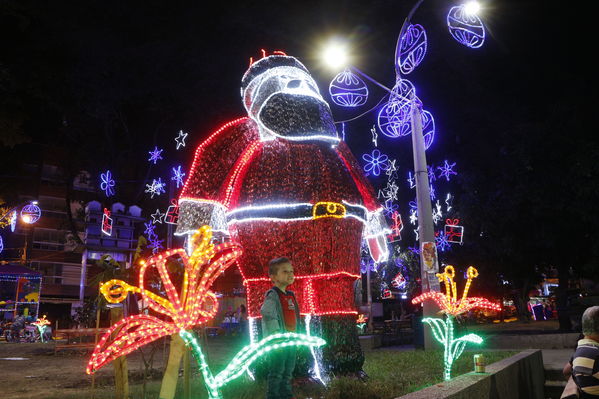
<point x="328" y="210"/>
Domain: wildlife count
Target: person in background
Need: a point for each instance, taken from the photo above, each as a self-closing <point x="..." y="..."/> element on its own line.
<point x="242" y="319"/>
<point x="585" y="361"/>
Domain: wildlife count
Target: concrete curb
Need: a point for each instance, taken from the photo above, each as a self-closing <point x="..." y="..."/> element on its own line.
<point x="518" y="377"/>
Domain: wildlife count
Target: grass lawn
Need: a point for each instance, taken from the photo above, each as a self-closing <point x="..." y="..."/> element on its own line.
<point x="391" y="373"/>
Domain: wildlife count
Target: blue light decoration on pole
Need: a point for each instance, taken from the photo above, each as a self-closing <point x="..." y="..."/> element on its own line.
<point x="412" y="48"/>
<point x="107" y="183"/>
<point x="465" y="26"/>
<point x="348" y="90"/>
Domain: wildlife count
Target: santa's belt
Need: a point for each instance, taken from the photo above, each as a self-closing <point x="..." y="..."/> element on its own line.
<point x="299" y="211"/>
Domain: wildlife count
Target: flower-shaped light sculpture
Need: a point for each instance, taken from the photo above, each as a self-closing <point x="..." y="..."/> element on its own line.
<point x="41" y="325"/>
<point x="194" y="305"/>
<point x="443" y="330"/>
<point x="183" y="309"/>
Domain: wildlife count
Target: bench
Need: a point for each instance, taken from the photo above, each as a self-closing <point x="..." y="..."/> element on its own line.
<point x="67" y="334"/>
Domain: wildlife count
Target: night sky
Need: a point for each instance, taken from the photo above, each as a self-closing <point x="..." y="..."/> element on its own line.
<point x="116" y="78"/>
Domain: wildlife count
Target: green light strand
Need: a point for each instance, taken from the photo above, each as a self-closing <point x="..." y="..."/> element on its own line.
<point x="244" y="358"/>
<point x="443" y="332"/>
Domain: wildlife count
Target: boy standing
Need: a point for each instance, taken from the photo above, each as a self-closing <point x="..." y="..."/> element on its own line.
<point x="280" y="313"/>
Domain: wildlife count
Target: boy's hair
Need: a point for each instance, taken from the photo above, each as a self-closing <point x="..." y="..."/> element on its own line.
<point x="273" y="265"/>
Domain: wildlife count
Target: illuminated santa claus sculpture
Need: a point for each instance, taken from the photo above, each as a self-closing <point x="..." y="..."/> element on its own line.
<point x="280" y="182"/>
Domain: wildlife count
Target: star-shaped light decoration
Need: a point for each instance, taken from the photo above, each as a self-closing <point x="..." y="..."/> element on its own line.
<point x="392" y="169"/>
<point x="375" y="136"/>
<point x="437" y="213"/>
<point x="177" y="176"/>
<point x="155" y="155"/>
<point x="391" y="190"/>
<point x="156" y="188"/>
<point x="180" y="139"/>
<point x="411" y="180"/>
<point x="157" y="217"/>
<point x="443" y="330"/>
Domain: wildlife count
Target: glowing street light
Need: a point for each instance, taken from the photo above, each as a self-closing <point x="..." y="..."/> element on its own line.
<point x="471" y="8"/>
<point x="335" y="55"/>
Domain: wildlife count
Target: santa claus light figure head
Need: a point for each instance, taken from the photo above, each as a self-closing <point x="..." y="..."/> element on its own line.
<point x="281" y="96"/>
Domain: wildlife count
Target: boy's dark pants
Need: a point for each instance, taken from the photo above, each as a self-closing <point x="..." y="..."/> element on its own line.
<point x="280" y="371"/>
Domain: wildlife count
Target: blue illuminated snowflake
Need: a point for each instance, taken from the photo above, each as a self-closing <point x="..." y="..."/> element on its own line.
<point x="431" y="174"/>
<point x="433" y="193"/>
<point x="414" y="250"/>
<point x="348" y="90"/>
<point x="375" y="162"/>
<point x="446" y="170"/>
<point x="107" y="183"/>
<point x="442" y="241"/>
<point x="156" y="245"/>
<point x="412" y="48"/>
<point x="155" y="155"/>
<point x="466" y="27"/>
<point x="178" y="176"/>
<point x="149" y="231"/>
<point x="389" y="208"/>
<point x="156" y="188"/>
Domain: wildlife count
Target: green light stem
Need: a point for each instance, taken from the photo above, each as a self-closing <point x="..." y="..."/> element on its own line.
<point x="191" y="340"/>
<point x="244" y="358"/>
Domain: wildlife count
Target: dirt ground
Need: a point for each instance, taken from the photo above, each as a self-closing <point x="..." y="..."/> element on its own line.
<point x="35" y="371"/>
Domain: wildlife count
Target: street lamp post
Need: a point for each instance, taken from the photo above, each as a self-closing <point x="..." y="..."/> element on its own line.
<point x="426" y="233"/>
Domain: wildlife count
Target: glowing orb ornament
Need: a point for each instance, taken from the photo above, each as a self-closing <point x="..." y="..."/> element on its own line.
<point x="466" y="27"/>
<point x="428" y="129"/>
<point x="31" y="213"/>
<point x="394" y="117"/>
<point x="348" y="90"/>
<point x="412" y="48"/>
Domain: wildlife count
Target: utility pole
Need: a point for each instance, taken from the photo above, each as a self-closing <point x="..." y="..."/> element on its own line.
<point x="429" y="264"/>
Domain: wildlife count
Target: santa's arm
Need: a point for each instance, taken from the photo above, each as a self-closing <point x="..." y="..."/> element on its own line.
<point x="200" y="201"/>
<point x="376" y="229"/>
